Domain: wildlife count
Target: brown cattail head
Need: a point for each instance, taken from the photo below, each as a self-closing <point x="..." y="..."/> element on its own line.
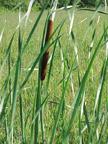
<point x="46" y="54"/>
<point x="45" y="57"/>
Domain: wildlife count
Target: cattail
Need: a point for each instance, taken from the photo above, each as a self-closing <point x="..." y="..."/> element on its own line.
<point x="45" y="57"/>
<point x="46" y="54"/>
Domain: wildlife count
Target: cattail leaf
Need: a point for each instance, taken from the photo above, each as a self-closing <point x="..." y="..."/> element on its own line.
<point x="32" y="30"/>
<point x="78" y="97"/>
<point x="60" y="106"/>
<point x="100" y="89"/>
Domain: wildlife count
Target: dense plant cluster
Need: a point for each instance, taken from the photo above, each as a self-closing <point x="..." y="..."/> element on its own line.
<point x="53" y="73"/>
<point x="24" y="3"/>
<point x="14" y="3"/>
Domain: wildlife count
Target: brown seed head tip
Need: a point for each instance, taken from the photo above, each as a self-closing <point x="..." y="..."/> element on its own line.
<point x="43" y="73"/>
<point x="43" y="77"/>
<point x="44" y="65"/>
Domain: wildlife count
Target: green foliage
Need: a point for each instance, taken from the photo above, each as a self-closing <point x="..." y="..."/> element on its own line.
<point x="13" y="3"/>
<point x="70" y="106"/>
<point x="40" y="3"/>
<point x="52" y="110"/>
<point x="63" y="2"/>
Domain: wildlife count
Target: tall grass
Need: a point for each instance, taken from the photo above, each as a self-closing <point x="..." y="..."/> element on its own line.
<point x="61" y="98"/>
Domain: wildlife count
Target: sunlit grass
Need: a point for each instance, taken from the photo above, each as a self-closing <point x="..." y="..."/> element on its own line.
<point x="65" y="119"/>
